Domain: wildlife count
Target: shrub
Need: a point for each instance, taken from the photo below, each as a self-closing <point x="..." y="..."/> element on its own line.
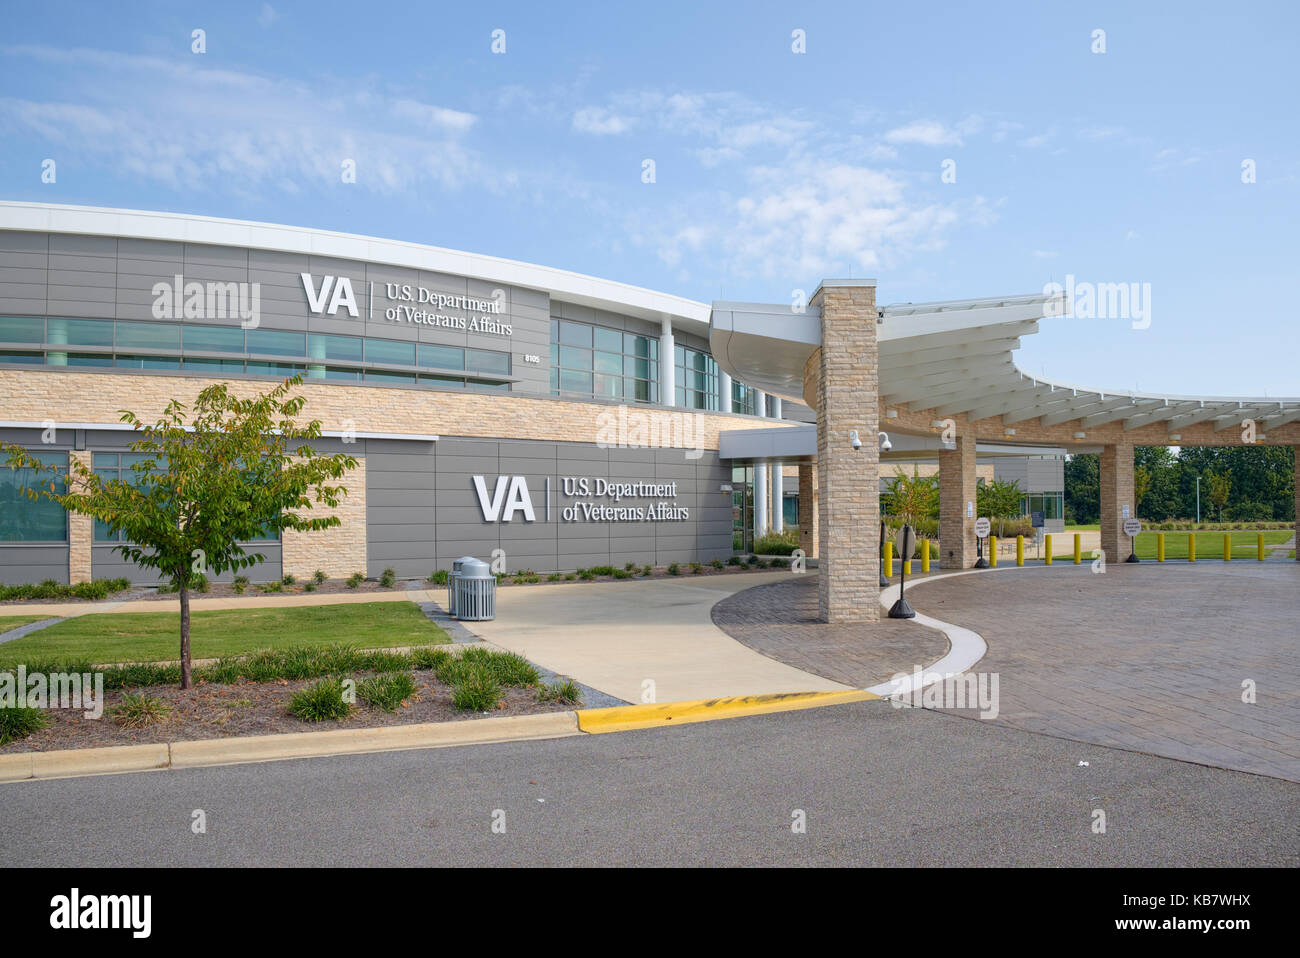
<point x="201" y="584"/>
<point x="140" y="711"/>
<point x="319" y="577"/>
<point x="777" y="543"/>
<point x="19" y="722"/>
<point x="586" y="575"/>
<point x="507" y="668"/>
<point x="647" y="570"/>
<point x="735" y="560"/>
<point x="139" y="674"/>
<point x="50" y="589"/>
<point x="309" y="586"/>
<point x="288" y="579"/>
<point x="437" y="577"/>
<point x="759" y="563"/>
<point x="355" y="579"/>
<point x="622" y="574"/>
<point x="602" y="570"/>
<point x="631" y="566"/>
<point x="476" y="689"/>
<point x="570" y="577"/>
<point x="716" y="563"/>
<point x="780" y="563"/>
<point x="239" y="584"/>
<point x="554" y="577"/>
<point x="276" y="586"/>
<point x="321" y="700"/>
<point x="430" y="658"/>
<point x="388" y="578"/>
<point x="386" y="691"/>
<point x="566" y="691"/>
<point x="753" y="560"/>
<point x="674" y="569"/>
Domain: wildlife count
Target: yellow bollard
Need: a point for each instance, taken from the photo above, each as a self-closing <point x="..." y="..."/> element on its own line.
<point x="907" y="567"/>
<point x="1020" y="550"/>
<point x="1259" y="547"/>
<point x="1227" y="547"/>
<point x="1047" y="547"/>
<point x="1078" y="548"/>
<point x="1160" y="547"/>
<point x="1191" y="547"/>
<point x="889" y="560"/>
<point x="993" y="552"/>
<point x="925" y="555"/>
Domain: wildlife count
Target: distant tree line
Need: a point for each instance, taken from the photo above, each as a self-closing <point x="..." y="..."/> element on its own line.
<point x="1238" y="484"/>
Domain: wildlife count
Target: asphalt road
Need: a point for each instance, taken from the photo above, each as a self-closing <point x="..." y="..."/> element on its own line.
<point x="878" y="785"/>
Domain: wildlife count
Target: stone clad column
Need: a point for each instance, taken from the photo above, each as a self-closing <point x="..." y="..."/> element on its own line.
<point x="1116" y="493"/>
<point x="807" y="509"/>
<point x="81" y="533"/>
<point x="957" y="483"/>
<point x="847" y="394"/>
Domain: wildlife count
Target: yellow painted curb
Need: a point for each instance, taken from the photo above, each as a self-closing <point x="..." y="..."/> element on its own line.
<point x="623" y="718"/>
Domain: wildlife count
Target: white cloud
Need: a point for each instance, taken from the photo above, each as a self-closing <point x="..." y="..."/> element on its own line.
<point x="268" y="15"/>
<point x="240" y="131"/>
<point x="598" y="121"/>
<point x="925" y="133"/>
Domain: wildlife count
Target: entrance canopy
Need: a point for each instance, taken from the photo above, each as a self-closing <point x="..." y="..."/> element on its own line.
<point x="956" y="359"/>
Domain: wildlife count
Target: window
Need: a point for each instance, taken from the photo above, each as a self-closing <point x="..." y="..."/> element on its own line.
<point x="391" y="353"/>
<point x="487" y="361"/>
<point x="25" y="359"/>
<point x="148" y="336"/>
<point x="697" y="379"/>
<point x="603" y="362"/>
<point x="441" y="357"/>
<point x="278" y="370"/>
<point x="275" y="342"/>
<point x="148" y="362"/>
<point x="382" y="376"/>
<point x="22" y="329"/>
<point x="22" y="520"/>
<point x="340" y="348"/>
<point x="214" y="365"/>
<point x="742" y="398"/>
<point x="110" y="466"/>
<point x="213" y="339"/>
<point x="79" y="332"/>
<point x="89" y="359"/>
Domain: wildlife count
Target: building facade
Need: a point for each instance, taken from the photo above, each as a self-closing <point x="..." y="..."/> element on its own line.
<point x="564" y="420"/>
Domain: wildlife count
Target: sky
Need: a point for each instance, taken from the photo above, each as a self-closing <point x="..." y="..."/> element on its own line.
<point x="950" y="151"/>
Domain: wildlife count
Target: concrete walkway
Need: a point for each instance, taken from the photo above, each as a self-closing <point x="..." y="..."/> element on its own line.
<point x="72" y="610"/>
<point x="615" y="636"/>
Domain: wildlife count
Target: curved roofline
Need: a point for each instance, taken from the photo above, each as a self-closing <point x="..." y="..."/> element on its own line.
<point x="565" y="285"/>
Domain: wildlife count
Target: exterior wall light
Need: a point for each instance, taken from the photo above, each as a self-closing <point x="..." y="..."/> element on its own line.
<point x="1080" y="435"/>
<point x="885" y="444"/>
<point x="1175" y="436"/>
<point x="1008" y="432"/>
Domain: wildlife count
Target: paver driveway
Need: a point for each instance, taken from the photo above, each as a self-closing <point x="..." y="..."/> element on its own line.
<point x="1146" y="657"/>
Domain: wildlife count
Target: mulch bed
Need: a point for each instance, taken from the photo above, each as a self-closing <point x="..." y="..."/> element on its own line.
<point x="256" y="708"/>
<point x="338" y="586"/>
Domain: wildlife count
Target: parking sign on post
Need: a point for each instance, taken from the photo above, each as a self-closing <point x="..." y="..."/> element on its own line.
<point x="982" y="528"/>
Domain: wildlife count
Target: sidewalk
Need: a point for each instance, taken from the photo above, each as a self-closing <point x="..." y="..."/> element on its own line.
<point x="72" y="610"/>
<point x="615" y="636"/>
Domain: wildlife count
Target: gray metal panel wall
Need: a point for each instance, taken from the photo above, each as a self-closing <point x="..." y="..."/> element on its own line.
<point x="106" y="563"/>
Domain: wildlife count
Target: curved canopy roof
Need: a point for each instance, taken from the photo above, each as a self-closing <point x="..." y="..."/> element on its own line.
<point x="955" y="358"/>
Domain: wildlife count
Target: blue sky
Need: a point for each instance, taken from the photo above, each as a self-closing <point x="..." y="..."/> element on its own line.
<point x="772" y="169"/>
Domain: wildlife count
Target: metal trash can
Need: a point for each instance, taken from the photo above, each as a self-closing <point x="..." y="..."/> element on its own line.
<point x="476" y="592"/>
<point x="452" y="576"/>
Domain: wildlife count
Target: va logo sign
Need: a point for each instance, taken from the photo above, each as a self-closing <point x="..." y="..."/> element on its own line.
<point x="342" y="296"/>
<point x="509" y="496"/>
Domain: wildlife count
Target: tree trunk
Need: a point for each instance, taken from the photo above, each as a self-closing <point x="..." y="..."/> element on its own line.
<point x="185" y="638"/>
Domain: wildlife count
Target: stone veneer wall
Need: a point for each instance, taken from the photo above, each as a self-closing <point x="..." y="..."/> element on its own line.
<point x="1116" y="464"/>
<point x="847" y="386"/>
<point x="957" y="485"/>
<point x="340" y="550"/>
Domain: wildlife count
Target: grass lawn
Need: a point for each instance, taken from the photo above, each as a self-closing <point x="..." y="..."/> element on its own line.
<point x="155" y="636"/>
<point x="8" y="622"/>
<point x="1071" y="527"/>
<point x="1209" y="545"/>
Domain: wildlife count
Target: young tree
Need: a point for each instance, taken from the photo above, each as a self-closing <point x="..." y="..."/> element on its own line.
<point x="1220" y="487"/>
<point x="999" y="500"/>
<point x="1141" y="486"/>
<point x="227" y="475"/>
<point x="912" y="497"/>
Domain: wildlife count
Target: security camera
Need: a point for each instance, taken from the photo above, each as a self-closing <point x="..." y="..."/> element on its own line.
<point x="854" y="440"/>
<point x="885" y="444"/>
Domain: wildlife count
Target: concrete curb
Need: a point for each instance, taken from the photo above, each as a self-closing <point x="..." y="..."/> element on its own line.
<point x="627" y="717"/>
<point x="73" y="763"/>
